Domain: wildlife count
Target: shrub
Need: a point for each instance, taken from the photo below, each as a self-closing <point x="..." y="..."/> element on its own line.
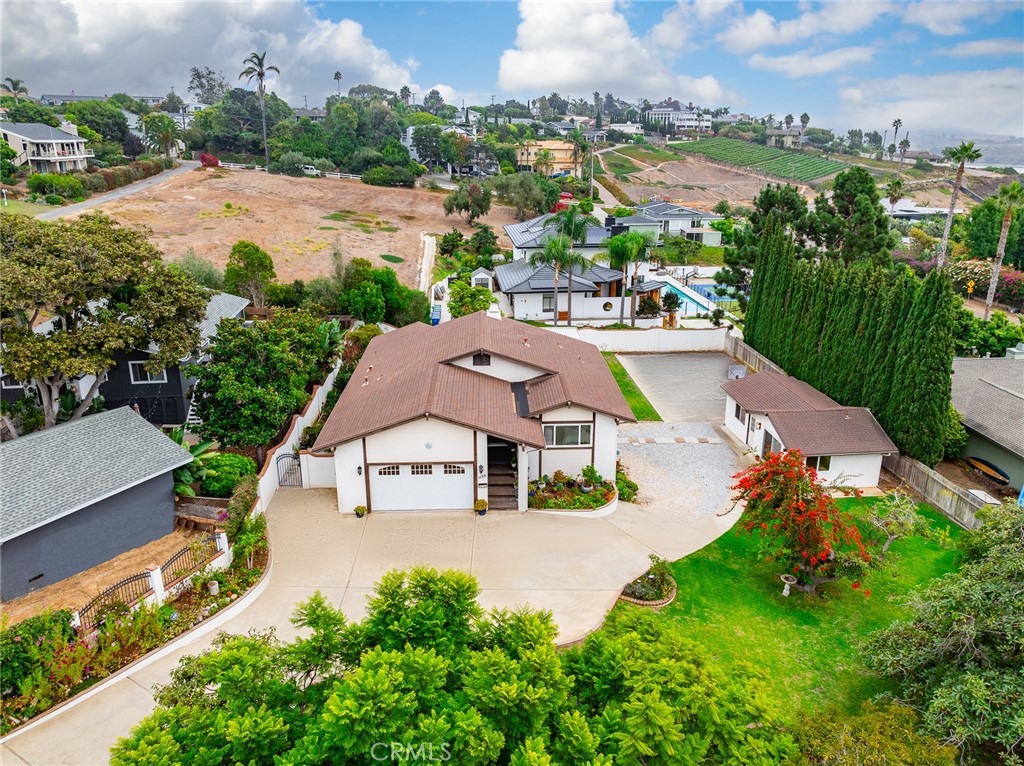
<point x="208" y="161"/>
<point x="450" y="242"/>
<point x="324" y="166"/>
<point x="290" y="164"/>
<point x="626" y="486"/>
<point x="223" y="472"/>
<point x="654" y="584"/>
<point x="956" y="435"/>
<point x="389" y="176"/>
<point x="240" y="504"/>
<point x="24" y="647"/>
<point x="55" y="183"/>
<point x="53" y="199"/>
<point x="1010" y="288"/>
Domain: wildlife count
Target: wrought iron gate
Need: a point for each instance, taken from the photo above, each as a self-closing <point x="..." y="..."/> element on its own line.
<point x="289" y="471"/>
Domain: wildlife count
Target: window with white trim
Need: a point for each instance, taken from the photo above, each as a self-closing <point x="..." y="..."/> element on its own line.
<point x="422" y="469"/>
<point x="547" y="302"/>
<point x="481" y="360"/>
<point x="139" y="374"/>
<point x="8" y="382"/>
<point x="820" y="462"/>
<point x="388" y="470"/>
<point x="454" y="470"/>
<point x="740" y="414"/>
<point x="568" y="435"/>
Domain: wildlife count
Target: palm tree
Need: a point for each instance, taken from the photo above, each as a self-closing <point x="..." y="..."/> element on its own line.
<point x="962" y="154"/>
<point x="577" y="140"/>
<point x="904" y="148"/>
<point x="573" y="228"/>
<point x="257" y="69"/>
<point x="891" y="151"/>
<point x="641" y="244"/>
<point x="1011" y="197"/>
<point x="545" y="162"/>
<point x="553" y="254"/>
<point x="896" y="125"/>
<point x="624" y="249"/>
<point x="769" y="120"/>
<point x="573" y="260"/>
<point x="700" y="117"/>
<point x="161" y="132"/>
<point x="17" y="88"/>
<point x="617" y="257"/>
<point x="405" y="94"/>
<point x="805" y="120"/>
<point x="337" y="79"/>
<point x="895" y="193"/>
<point x="789" y="121"/>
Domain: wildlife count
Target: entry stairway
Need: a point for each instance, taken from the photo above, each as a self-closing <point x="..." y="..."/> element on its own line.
<point x="501" y="477"/>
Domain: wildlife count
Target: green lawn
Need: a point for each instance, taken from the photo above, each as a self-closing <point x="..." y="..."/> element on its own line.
<point x="650" y="155"/>
<point x="732" y="603"/>
<point x="24" y="208"/>
<point x="642" y="409"/>
<point x="618" y="164"/>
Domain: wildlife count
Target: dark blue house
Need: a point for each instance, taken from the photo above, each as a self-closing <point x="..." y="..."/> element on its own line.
<point x="76" y="495"/>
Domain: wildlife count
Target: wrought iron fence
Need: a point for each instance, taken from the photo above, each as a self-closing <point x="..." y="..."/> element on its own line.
<point x="128" y="592"/>
<point x="187" y="560"/>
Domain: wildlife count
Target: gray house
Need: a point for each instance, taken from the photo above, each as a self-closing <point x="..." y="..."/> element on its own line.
<point x="78" y="494"/>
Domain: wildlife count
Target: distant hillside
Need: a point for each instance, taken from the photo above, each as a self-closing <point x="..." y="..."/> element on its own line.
<point x="782" y="163"/>
<point x="996" y="150"/>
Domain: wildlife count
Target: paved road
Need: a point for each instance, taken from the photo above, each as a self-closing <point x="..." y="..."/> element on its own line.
<point x="124" y="191"/>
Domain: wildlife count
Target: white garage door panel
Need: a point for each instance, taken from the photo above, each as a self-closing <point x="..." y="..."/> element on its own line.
<point x="409" y="491"/>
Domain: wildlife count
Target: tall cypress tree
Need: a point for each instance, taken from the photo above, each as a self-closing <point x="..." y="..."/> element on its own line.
<point x="850" y="357"/>
<point x="876" y="290"/>
<point x="885" y="401"/>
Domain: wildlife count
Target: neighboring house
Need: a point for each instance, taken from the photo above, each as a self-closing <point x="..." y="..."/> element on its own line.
<point x="482" y="278"/>
<point x="468" y="116"/>
<point x="679" y="220"/>
<point x="595" y="136"/>
<point x="631" y="128"/>
<point x="313" y="115"/>
<point x="989" y="393"/>
<point x="564" y="156"/>
<point x="528" y="292"/>
<point x="165" y="397"/>
<point x="57" y="100"/>
<point x="785" y="138"/>
<point x="529" y="236"/>
<point x="81" y="493"/>
<point x="46" y="149"/>
<point x="436" y="418"/>
<point x="681" y="117"/>
<point x="907" y="209"/>
<point x="563" y="127"/>
<point x="770" y="412"/>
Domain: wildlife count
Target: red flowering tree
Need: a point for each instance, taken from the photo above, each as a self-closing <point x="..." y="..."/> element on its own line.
<point x="209" y="161"/>
<point x="797" y="521"/>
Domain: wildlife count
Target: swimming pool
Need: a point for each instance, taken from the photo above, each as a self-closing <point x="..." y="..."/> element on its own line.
<point x="688" y="304"/>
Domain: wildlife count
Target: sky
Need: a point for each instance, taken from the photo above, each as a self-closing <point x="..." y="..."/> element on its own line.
<point x="954" y="67"/>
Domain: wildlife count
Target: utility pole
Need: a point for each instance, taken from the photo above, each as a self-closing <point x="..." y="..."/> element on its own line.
<point x="495" y="114"/>
<point x="305" y="102"/>
<point x="591" y="171"/>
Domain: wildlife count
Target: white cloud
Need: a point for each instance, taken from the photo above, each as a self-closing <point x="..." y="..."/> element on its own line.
<point x="686" y="16"/>
<point x="1004" y="46"/>
<point x="117" y="46"/>
<point x="987" y="101"/>
<point x="947" y="18"/>
<point x="808" y="64"/>
<point x="577" y="48"/>
<point x="760" y="29"/>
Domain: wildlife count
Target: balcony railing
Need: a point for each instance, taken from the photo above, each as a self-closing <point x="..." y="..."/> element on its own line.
<point x="58" y="155"/>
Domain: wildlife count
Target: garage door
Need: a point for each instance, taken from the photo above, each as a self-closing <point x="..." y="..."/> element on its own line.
<point x="421" y="487"/>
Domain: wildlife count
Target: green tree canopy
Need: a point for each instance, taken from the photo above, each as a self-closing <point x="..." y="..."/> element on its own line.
<point x="106" y="291"/>
<point x="105" y="118"/>
<point x="250" y="270"/>
<point x="464" y="299"/>
<point x="471" y="200"/>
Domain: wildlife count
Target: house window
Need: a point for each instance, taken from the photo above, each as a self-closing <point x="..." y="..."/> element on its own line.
<point x="568" y="435"/>
<point x="741" y="414"/>
<point x="422" y="469"/>
<point x="695" y="223"/>
<point x="388" y="470"/>
<point x="139" y="374"/>
<point x="820" y="462"/>
<point x="482" y="282"/>
<point x="481" y="360"/>
<point x="454" y="470"/>
<point x="10" y="383"/>
<point x="547" y="302"/>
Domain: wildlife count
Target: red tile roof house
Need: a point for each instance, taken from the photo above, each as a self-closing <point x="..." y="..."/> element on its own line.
<point x="434" y="417"/>
<point x="770" y="412"/>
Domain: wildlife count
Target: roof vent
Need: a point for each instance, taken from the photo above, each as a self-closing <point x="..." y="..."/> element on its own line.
<point x="366" y="381"/>
<point x="526" y="342"/>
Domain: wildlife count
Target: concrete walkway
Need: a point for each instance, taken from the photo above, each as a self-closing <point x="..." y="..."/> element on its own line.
<point x="574" y="567"/>
<point x="124" y="191"/>
<point x="684" y="388"/>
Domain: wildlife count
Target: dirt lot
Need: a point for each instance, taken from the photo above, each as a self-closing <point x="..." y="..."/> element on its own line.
<point x="78" y="590"/>
<point x="285" y="216"/>
<point x="692" y="181"/>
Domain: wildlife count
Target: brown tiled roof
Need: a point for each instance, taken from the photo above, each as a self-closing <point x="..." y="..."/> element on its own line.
<point x="406" y="374"/>
<point x="835" y="431"/>
<point x="769" y="391"/>
<point x="989" y="393"/>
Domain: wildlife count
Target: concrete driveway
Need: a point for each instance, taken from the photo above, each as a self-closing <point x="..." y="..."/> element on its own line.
<point x="684" y="388"/>
<point x="574" y="567"/>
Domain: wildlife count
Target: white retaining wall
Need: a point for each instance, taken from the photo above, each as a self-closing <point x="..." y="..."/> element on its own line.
<point x="268" y="480"/>
<point x="652" y="341"/>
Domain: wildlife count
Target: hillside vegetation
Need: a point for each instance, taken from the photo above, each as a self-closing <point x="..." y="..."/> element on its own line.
<point x="783" y="163"/>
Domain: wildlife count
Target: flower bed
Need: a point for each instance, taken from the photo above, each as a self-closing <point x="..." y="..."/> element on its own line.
<point x="43" y="662"/>
<point x="655" y="587"/>
<point x="561" y="492"/>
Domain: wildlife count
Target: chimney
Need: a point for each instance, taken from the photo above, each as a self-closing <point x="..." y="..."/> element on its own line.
<point x="69" y="127"/>
<point x="609" y="221"/>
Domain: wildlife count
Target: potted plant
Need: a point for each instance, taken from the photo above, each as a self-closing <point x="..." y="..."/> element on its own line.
<point x="360" y="511"/>
<point x="543" y="482"/>
<point x="590" y="479"/>
<point x="480" y="506"/>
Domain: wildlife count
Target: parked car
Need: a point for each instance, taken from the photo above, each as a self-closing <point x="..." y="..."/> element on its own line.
<point x="309" y="170"/>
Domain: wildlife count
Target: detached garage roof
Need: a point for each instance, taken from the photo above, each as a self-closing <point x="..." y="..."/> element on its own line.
<point x="989" y="393"/>
<point x="808" y="420"/>
<point x="408" y="374"/>
<point x="55" y="472"/>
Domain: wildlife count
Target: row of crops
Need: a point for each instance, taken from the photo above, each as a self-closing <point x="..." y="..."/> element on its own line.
<point x="777" y="162"/>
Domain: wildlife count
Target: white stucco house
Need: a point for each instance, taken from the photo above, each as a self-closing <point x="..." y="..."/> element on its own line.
<point x="770" y="412"/>
<point x="436" y="418"/>
<point x="681" y="221"/>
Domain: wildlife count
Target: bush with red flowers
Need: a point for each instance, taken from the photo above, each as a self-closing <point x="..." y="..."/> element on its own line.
<point x="797" y="521"/>
<point x="209" y="161"/>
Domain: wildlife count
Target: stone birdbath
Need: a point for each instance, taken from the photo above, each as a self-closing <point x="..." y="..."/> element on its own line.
<point x="788" y="581"/>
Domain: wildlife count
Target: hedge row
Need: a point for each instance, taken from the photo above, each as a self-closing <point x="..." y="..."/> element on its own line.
<point x="108" y="179"/>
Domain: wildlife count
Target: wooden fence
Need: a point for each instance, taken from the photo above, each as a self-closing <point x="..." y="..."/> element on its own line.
<point x="954" y="501"/>
<point x="735" y="347"/>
